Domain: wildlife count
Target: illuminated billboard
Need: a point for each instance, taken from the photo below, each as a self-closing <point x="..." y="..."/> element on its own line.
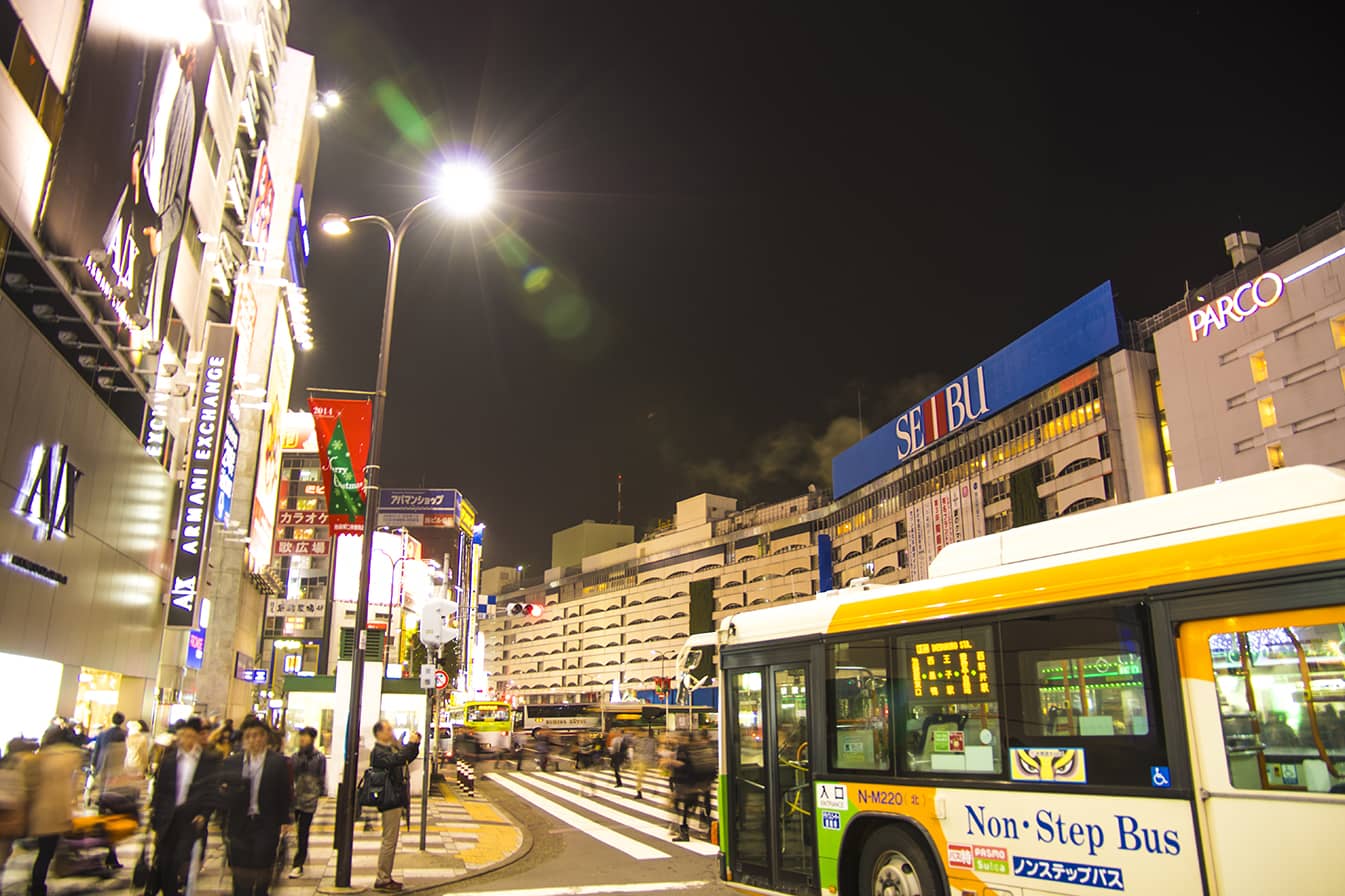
<point x="117" y="198"/>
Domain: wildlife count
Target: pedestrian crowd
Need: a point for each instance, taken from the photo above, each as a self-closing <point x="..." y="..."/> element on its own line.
<point x="686" y="762"/>
<point x="72" y="800"/>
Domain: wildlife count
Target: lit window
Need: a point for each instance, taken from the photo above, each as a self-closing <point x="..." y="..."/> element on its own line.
<point x="1266" y="407"/>
<point x="1259" y="370"/>
<point x="1275" y="456"/>
<point x="1338" y="331"/>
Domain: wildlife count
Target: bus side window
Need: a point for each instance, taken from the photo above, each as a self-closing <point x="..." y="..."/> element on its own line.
<point x="950" y="717"/>
<point x="1080" y="679"/>
<point x="1281" y="694"/>
<point x="858" y="686"/>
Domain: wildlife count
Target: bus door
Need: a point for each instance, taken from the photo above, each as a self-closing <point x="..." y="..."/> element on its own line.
<point x="1265" y="708"/>
<point x="770" y="793"/>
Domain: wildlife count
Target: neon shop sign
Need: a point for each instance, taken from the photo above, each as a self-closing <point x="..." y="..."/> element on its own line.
<point x="1237" y="306"/>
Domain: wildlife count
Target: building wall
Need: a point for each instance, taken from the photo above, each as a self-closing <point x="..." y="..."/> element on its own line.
<point x="570" y="546"/>
<point x="624" y="617"/>
<point x="1266" y="390"/>
<point x="1089" y="440"/>
<point x="110" y="613"/>
<point x="25" y="152"/>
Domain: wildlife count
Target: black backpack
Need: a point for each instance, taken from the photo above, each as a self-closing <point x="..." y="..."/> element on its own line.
<point x="376" y="788"/>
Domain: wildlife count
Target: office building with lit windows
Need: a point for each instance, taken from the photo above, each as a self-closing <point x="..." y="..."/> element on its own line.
<point x="613" y="621"/>
<point x="1251" y="373"/>
<point x="1060" y="421"/>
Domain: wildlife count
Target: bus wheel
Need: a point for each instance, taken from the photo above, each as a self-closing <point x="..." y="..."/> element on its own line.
<point x="894" y="864"/>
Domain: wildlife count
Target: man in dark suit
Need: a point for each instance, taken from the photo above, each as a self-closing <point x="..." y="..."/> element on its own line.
<point x="185" y="789"/>
<point x="258" y="796"/>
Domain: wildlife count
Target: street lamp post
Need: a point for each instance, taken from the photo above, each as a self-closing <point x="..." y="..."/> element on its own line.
<point x="468" y="190"/>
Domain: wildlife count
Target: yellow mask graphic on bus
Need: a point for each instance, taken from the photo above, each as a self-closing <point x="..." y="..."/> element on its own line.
<point x="1065" y="765"/>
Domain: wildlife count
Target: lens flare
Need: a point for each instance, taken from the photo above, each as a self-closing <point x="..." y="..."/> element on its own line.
<point x="537" y="279"/>
<point x="512" y="250"/>
<point x="404" y="115"/>
<point x="567" y="317"/>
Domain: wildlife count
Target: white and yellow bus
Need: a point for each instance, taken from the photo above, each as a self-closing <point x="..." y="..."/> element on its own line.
<point x="1145" y="699"/>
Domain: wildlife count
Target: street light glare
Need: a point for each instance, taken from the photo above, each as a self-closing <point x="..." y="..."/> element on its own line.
<point x="332" y="99"/>
<point x="466" y="188"/>
<point x="335" y="225"/>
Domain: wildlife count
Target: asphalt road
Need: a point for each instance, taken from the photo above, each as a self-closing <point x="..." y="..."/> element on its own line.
<point x="590" y="839"/>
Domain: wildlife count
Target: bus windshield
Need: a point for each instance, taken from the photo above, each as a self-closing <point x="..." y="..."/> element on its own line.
<point x="489" y="716"/>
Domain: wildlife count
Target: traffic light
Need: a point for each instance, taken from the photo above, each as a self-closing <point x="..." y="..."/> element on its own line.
<point x="517" y="609"/>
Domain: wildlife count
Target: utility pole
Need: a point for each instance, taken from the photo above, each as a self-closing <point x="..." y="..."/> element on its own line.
<point x="429" y="741"/>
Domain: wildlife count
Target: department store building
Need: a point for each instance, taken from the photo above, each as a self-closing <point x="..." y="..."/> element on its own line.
<point x="151" y="179"/>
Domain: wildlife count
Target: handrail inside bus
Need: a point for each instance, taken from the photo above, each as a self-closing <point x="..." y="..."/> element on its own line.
<point x="1306" y="674"/>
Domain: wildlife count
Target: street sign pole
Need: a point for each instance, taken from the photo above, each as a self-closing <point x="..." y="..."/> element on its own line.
<point x="430" y="730"/>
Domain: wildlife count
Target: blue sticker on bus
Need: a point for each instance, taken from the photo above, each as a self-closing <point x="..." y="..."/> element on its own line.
<point x="1076" y="873"/>
<point x="831" y="821"/>
<point x="1160" y="776"/>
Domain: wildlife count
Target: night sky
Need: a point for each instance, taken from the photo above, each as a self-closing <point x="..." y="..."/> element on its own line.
<point x="725" y="229"/>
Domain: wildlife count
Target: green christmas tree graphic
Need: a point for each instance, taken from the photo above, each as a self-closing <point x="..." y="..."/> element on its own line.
<point x="345" y="499"/>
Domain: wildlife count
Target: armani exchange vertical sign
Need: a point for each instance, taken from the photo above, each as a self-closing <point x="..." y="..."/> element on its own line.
<point x="203" y="452"/>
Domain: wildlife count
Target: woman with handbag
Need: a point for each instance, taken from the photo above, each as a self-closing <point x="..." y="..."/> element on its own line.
<point x="53" y="790"/>
<point x="392" y="758"/>
<point x="14" y="795"/>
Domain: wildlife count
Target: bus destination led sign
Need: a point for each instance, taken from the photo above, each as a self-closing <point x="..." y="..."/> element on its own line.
<point x="954" y="668"/>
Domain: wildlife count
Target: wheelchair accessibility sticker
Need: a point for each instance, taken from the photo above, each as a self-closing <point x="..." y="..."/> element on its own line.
<point x="832" y="796"/>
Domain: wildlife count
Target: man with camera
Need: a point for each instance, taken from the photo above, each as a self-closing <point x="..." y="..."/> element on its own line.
<point x="392" y="758"/>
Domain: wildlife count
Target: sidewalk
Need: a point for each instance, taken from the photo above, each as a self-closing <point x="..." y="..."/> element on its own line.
<point x="466" y="836"/>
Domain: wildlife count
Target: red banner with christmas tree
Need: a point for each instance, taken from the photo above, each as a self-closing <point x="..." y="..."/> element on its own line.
<point x="343" y="427"/>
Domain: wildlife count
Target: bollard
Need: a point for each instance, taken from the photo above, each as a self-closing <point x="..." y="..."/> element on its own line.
<point x="466" y="778"/>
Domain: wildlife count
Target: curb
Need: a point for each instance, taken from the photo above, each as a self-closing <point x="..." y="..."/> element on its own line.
<point x="523" y="850"/>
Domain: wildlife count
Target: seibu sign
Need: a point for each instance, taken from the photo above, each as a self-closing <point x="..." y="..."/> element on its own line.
<point x="1236" y="306"/>
<point x="1065" y="343"/>
<point x="948" y="410"/>
<point x="203" y="456"/>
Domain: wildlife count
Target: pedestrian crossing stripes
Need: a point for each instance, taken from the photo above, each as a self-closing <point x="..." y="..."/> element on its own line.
<point x="590" y="802"/>
<point x="673" y="886"/>
<point x="598" y="831"/>
<point x="449" y="828"/>
<point x="459" y="839"/>
<point x="642" y="825"/>
<point x="656" y="793"/>
<point x="662" y="811"/>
